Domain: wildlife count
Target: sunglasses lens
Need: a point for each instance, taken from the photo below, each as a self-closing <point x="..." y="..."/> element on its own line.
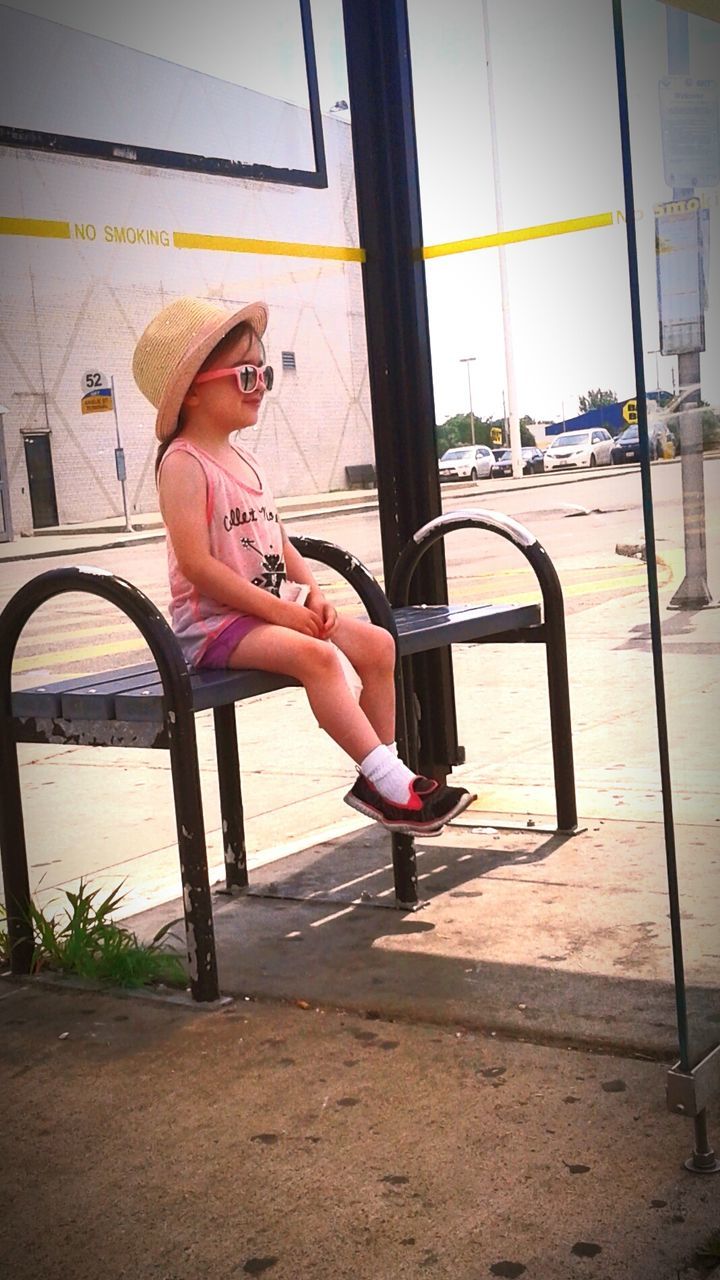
<point x="247" y="377"/>
<point x="268" y="377"/>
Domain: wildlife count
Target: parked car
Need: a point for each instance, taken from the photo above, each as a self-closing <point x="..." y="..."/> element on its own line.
<point x="532" y="461"/>
<point x="466" y="462"/>
<point x="626" y="447"/>
<point x="590" y="448"/>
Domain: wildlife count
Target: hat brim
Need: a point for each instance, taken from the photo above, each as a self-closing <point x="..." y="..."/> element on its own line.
<point x="208" y="337"/>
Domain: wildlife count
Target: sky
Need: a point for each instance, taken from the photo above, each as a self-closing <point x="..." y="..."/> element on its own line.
<point x="556" y="115"/>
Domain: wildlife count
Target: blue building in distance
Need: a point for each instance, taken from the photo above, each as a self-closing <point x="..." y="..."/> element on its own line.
<point x="616" y="417"/>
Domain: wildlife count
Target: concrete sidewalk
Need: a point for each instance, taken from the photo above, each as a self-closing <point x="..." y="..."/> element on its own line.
<point x="474" y="1089"/>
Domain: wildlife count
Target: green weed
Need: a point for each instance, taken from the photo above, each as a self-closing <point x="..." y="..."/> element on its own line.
<point x="89" y="944"/>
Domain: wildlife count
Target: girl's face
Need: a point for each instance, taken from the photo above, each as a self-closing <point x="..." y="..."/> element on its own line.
<point x="221" y="398"/>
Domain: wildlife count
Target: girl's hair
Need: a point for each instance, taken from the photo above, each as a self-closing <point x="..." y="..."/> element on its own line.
<point x="242" y="330"/>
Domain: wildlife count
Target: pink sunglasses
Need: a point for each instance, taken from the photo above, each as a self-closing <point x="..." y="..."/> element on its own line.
<point x="247" y="376"/>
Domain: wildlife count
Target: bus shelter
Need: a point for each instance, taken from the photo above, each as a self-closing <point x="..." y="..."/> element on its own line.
<point x="664" y="140"/>
<point x="537" y="185"/>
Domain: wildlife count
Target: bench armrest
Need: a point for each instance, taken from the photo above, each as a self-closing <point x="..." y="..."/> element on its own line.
<point x="353" y="571"/>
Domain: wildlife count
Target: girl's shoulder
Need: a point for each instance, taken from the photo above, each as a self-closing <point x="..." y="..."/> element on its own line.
<point x="180" y="456"/>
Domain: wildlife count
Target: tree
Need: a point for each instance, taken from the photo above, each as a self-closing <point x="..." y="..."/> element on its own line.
<point x="596" y="399"/>
<point x="456" y="431"/>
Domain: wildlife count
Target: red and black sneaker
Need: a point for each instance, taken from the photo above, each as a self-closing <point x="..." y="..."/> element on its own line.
<point x="430" y="805"/>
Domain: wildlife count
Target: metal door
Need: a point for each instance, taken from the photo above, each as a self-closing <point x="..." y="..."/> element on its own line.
<point x="5" y="519"/>
<point x="38" y="459"/>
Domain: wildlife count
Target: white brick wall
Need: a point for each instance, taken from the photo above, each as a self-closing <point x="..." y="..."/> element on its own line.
<point x="75" y="304"/>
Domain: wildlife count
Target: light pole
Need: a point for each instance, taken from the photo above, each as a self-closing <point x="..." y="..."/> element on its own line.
<point x="467" y="361"/>
<point x="515" y="449"/>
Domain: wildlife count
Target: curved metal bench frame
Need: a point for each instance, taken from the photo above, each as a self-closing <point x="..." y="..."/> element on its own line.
<point x="179" y="724"/>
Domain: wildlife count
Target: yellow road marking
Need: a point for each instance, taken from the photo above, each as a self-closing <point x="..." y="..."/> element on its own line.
<point x="633" y="578"/>
<point x="35" y="227"/>
<point x="285" y="248"/>
<point x="73" y="633"/>
<point x="515" y="237"/>
<point x="55" y="656"/>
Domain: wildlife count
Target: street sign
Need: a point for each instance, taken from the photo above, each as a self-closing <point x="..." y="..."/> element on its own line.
<point x="690" y="132"/>
<point x="680" y="238"/>
<point x="97" y="392"/>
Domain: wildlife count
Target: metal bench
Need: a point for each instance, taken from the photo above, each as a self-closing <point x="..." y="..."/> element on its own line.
<point x="154" y="705"/>
<point x="361" y="475"/>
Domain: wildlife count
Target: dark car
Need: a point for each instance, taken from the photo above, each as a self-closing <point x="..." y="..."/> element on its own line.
<point x="532" y="461"/>
<point x="626" y="447"/>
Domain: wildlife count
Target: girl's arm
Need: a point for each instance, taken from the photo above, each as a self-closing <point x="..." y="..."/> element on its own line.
<point x="183" y="497"/>
<point x="298" y="570"/>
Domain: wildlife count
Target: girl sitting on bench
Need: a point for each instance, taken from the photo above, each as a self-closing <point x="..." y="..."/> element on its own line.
<point x="241" y="595"/>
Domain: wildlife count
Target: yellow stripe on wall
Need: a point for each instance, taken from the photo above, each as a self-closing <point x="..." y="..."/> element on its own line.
<point x="35" y="227"/>
<point x="283" y="248"/>
<point x="48" y="229"/>
<point x="522" y="233"/>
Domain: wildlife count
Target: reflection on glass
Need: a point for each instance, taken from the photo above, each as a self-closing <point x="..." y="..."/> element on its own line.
<point x="672" y="61"/>
<point x="560" y="162"/>
<point x="169" y="75"/>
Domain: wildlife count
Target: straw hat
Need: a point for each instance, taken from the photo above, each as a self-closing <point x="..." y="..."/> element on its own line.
<point x="175" y="344"/>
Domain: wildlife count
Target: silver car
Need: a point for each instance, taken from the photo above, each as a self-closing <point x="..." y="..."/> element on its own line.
<point x="589" y="448"/>
<point x="466" y="462"/>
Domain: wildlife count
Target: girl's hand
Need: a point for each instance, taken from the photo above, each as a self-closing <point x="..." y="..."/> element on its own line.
<point x="325" y="612"/>
<point x="298" y="618"/>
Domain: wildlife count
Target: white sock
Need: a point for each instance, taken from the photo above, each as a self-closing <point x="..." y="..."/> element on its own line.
<point x="392" y="746"/>
<point x="388" y="774"/>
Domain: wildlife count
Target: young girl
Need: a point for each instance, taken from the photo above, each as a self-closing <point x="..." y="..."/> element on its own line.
<point x="241" y="595"/>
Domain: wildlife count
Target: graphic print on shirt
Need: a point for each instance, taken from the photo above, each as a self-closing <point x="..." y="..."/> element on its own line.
<point x="273" y="575"/>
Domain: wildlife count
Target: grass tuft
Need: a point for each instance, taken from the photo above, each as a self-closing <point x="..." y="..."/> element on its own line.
<point x="89" y="944"/>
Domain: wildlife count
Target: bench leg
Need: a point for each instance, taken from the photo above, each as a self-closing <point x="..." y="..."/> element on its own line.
<point x="403" y="846"/>
<point x="14" y="857"/>
<point x="231" y="805"/>
<point x="560" y="725"/>
<point x="197" y="903"/>
<point x="404" y="869"/>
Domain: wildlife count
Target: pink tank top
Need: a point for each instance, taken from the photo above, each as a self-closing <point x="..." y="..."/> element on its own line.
<point x="245" y="534"/>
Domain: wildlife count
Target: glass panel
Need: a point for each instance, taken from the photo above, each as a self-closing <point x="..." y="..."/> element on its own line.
<point x="163" y="74"/>
<point x="547" y="337"/>
<point x="672" y="70"/>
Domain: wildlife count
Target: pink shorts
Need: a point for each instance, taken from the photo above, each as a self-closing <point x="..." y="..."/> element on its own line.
<point x="219" y="649"/>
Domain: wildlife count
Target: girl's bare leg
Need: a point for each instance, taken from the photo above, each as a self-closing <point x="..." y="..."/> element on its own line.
<point x="315" y="664"/>
<point x="371" y="650"/>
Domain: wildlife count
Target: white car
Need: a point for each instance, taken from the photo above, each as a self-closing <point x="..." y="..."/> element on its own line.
<point x="589" y="448"/>
<point x="466" y="462"/>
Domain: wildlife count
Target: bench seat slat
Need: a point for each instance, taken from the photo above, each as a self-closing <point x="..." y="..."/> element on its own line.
<point x="46" y="699"/>
<point x="134" y="694"/>
<point x="423" y="627"/>
<point x="210" y="689"/>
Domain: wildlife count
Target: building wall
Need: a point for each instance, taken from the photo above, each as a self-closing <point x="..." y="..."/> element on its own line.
<point x="78" y="299"/>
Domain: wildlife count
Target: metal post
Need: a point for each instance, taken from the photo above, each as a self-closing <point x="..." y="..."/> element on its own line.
<point x="398" y="339"/>
<point x="467" y="361"/>
<point x="515" y="444"/>
<point x="120" y="458"/>
<point x="703" y="1158"/>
